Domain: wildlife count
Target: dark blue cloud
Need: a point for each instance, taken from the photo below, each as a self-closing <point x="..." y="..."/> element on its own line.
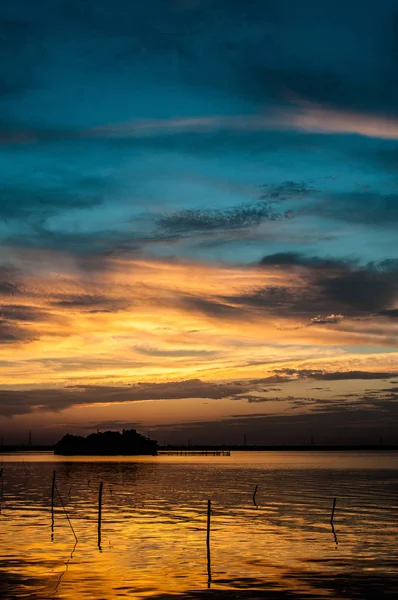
<point x="328" y="290"/>
<point x="27" y="202"/>
<point x="189" y="221"/>
<point x="375" y="208"/>
<point x="342" y="54"/>
<point x="295" y="259"/>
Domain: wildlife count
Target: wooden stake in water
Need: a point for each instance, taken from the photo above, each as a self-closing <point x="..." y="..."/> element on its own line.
<point x="101" y="485"/>
<point x="333" y="509"/>
<point x="208" y="543"/>
<point x="52" y="503"/>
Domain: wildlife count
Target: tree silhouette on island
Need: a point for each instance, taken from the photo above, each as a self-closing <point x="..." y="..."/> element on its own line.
<point x="107" y="443"/>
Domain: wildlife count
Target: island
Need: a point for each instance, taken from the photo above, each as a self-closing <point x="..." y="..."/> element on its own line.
<point x="107" y="443"/>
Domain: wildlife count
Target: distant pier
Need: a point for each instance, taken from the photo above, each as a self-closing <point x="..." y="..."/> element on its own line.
<point x="195" y="452"/>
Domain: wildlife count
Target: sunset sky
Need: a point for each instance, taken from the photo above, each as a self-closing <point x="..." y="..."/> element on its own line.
<point x="198" y="219"/>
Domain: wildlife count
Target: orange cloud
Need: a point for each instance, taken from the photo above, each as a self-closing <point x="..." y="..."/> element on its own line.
<point x="154" y="320"/>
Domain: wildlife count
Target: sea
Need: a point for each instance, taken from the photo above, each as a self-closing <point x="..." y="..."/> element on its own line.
<point x="279" y="525"/>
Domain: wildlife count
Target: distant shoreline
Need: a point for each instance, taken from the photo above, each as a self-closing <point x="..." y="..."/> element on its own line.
<point x="233" y="448"/>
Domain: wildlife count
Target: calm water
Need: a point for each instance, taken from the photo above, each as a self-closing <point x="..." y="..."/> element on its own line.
<point x="153" y="541"/>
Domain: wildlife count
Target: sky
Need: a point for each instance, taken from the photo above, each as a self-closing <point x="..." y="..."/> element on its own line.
<point x="198" y="220"/>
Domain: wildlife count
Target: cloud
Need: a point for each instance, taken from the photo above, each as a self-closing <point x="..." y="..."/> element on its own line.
<point x="146" y="131"/>
<point x="277" y="299"/>
<point x="38" y="203"/>
<point x="296" y="259"/>
<point x="21" y="312"/>
<point x="91" y="303"/>
<point x="109" y="425"/>
<point x="181" y="352"/>
<point x="61" y="398"/>
<point x="15" y="321"/>
<point x="93" y="249"/>
<point x="303" y="116"/>
<point x="11" y="333"/>
<point x="288" y="190"/>
<point x="19" y="42"/>
<point x="222" y="49"/>
<point x="55" y="399"/>
<point x="329" y="422"/>
<point x="368" y="207"/>
<point x="9" y="281"/>
<point x="374" y="207"/>
<point x="189" y="221"/>
<point x="265" y="399"/>
<point x="326" y="286"/>
<point x="392" y="313"/>
<point x="306" y="118"/>
<point x="385" y="158"/>
<point x="321" y="119"/>
<point x="366" y="290"/>
<point x="333" y="375"/>
<point x="211" y="308"/>
<point x="326" y="320"/>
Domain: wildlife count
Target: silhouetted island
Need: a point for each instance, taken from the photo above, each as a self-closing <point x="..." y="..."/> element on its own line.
<point x="108" y="443"/>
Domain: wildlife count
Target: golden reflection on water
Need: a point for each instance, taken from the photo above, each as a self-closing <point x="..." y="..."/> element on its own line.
<point x="154" y="522"/>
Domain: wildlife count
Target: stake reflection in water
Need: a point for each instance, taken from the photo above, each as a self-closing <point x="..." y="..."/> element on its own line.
<point x="332" y="521"/>
<point x="66" y="568"/>
<point x="333" y="509"/>
<point x="208" y="544"/>
<point x="254" y="496"/>
<point x="101" y="485"/>
<point x="52" y="507"/>
<point x="335" y="535"/>
<point x="2" y="487"/>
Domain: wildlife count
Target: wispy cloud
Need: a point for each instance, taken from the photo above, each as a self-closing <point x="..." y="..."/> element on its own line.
<point x="321" y="119"/>
<point x="16" y="402"/>
<point x="307" y="117"/>
<point x="188" y="221"/>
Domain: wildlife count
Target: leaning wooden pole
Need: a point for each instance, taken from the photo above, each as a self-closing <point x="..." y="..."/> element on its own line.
<point x="208" y="543"/>
<point x="52" y="502"/>
<point x="101" y="486"/>
<point x="66" y="514"/>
